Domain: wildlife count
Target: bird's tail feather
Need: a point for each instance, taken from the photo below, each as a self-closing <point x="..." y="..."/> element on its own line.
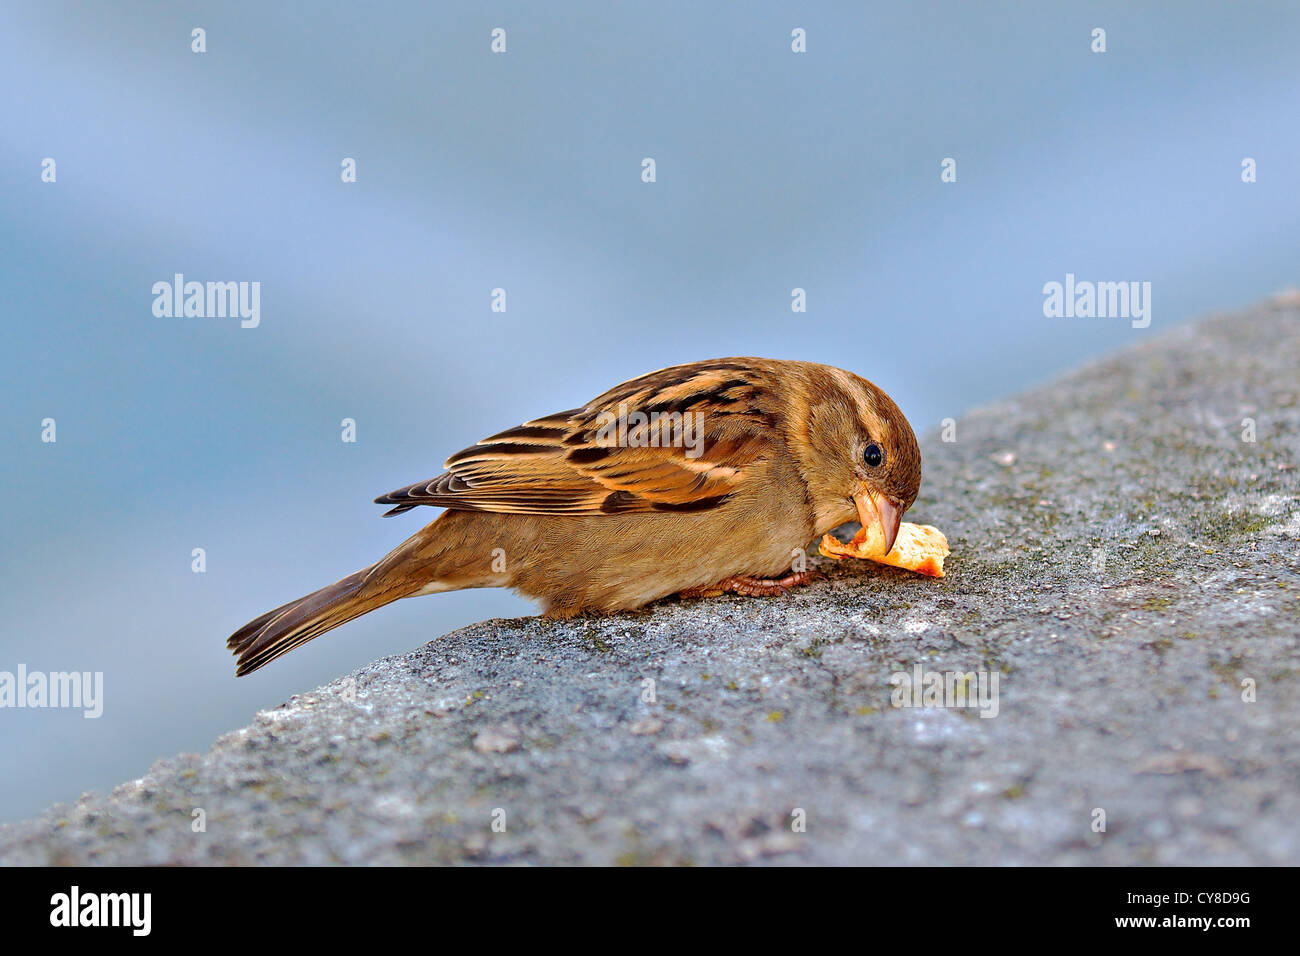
<point x="277" y="632"/>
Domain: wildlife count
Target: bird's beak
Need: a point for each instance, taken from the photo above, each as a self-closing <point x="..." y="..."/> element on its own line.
<point x="877" y="508"/>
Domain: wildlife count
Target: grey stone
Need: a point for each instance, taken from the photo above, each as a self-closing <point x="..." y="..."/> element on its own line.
<point x="1123" y="560"/>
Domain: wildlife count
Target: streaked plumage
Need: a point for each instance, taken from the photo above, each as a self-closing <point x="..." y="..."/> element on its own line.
<point x="561" y="510"/>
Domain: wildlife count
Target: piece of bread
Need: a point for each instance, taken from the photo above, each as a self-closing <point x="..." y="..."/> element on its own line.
<point x="918" y="547"/>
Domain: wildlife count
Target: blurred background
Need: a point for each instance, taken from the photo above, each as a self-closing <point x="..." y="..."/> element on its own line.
<point x="522" y="171"/>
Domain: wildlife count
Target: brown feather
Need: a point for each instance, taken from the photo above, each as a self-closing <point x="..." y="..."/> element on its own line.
<point x="570" y="463"/>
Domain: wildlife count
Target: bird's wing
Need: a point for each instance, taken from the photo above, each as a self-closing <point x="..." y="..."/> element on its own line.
<point x="680" y="439"/>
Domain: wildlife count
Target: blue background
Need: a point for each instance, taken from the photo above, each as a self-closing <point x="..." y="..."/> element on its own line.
<point x="522" y="171"/>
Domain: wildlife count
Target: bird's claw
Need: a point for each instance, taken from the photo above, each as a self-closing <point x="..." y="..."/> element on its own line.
<point x="752" y="587"/>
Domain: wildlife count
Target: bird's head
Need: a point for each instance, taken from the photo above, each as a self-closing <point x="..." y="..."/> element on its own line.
<point x="858" y="452"/>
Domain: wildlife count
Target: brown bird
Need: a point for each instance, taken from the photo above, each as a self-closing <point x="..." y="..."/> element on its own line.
<point x="693" y="480"/>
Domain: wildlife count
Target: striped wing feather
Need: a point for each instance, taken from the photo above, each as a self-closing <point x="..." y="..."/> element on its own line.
<point x="580" y="462"/>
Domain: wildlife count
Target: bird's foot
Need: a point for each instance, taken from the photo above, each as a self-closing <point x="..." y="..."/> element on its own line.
<point x="753" y="587"/>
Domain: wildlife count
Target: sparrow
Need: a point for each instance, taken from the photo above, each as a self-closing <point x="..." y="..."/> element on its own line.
<point x="696" y="480"/>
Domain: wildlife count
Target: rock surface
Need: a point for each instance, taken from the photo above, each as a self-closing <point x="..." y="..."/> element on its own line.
<point x="1122" y="559"/>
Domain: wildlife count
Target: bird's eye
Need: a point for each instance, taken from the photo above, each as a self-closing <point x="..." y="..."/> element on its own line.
<point x="873" y="455"/>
